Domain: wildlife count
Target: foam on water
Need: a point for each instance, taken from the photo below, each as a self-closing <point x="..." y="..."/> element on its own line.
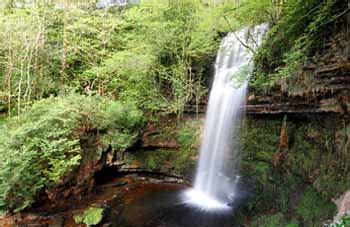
<point x="204" y="201"/>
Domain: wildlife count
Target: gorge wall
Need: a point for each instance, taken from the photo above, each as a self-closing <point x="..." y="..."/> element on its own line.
<point x="296" y="141"/>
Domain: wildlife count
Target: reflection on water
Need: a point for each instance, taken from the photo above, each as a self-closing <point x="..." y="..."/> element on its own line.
<point x="162" y="206"/>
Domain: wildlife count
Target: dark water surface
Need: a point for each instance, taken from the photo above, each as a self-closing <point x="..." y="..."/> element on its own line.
<point x="162" y="206"/>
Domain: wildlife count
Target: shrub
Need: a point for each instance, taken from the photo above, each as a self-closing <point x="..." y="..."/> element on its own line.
<point x="41" y="146"/>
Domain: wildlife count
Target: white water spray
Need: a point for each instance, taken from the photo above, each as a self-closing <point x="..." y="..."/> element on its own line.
<point x="217" y="173"/>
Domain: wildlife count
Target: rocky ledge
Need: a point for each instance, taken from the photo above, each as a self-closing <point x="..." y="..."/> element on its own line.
<point x="322" y="86"/>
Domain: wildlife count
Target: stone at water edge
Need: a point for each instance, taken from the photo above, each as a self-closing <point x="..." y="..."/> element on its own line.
<point x="343" y="205"/>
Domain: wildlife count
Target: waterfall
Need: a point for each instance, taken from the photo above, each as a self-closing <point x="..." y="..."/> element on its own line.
<point x="217" y="172"/>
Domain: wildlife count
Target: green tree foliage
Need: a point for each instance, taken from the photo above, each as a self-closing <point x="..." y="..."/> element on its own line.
<point x="155" y="54"/>
<point x="248" y="13"/>
<point x="38" y="148"/>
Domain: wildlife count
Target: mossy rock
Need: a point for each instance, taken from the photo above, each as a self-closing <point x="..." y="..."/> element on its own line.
<point x="177" y="160"/>
<point x="316" y="152"/>
<point x="313" y="208"/>
<point x="90" y="217"/>
<point x="300" y="186"/>
<point x="260" y="138"/>
<point x="3" y="107"/>
<point x="274" y="220"/>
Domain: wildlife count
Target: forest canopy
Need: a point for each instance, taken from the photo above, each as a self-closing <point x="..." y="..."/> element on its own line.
<point x="156" y="54"/>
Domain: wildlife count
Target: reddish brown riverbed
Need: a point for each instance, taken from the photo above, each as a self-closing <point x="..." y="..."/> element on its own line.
<point x="129" y="201"/>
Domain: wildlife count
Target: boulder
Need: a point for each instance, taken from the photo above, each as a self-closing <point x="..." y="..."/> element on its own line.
<point x="343" y="204"/>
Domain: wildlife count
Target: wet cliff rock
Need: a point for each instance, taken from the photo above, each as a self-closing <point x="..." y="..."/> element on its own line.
<point x="322" y="86"/>
<point x="296" y="140"/>
<point x="168" y="147"/>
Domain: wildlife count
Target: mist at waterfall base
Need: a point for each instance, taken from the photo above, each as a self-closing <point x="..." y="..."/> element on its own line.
<point x="217" y="177"/>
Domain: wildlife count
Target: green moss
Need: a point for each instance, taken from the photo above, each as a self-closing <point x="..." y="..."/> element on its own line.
<point x="274" y="220"/>
<point x="176" y="160"/>
<point x="317" y="150"/>
<point x="185" y="161"/>
<point x="331" y="184"/>
<point x="301" y="184"/>
<point x="313" y="208"/>
<point x="3" y="119"/>
<point x="317" y="154"/>
<point x="260" y="138"/>
<point x="90" y="217"/>
<point x="3" y="107"/>
<point x="166" y="134"/>
<point x="151" y="163"/>
<point x="187" y="134"/>
<point x="292" y="224"/>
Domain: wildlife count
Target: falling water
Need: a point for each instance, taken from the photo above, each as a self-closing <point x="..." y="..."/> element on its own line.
<point x="217" y="173"/>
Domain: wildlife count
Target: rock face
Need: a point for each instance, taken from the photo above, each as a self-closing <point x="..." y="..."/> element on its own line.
<point x="299" y="131"/>
<point x="167" y="147"/>
<point x="161" y="134"/>
<point x="79" y="183"/>
<point x="322" y="86"/>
